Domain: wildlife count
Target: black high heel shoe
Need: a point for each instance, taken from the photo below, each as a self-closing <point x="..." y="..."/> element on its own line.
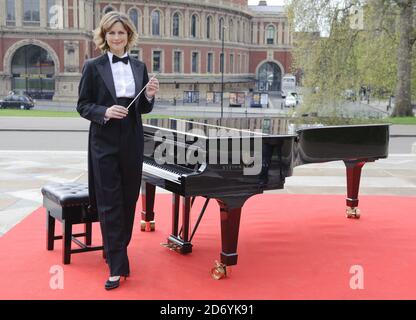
<point x="109" y="285"/>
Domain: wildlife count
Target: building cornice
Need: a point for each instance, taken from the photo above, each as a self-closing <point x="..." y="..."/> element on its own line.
<point x="52" y="33"/>
<point x="190" y="4"/>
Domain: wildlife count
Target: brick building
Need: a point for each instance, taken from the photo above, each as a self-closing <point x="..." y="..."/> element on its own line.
<point x="44" y="43"/>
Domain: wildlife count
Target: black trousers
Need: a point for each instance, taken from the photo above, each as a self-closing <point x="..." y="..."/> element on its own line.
<point x="117" y="171"/>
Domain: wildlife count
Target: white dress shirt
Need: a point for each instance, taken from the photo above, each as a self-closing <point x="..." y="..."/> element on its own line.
<point x="123" y="78"/>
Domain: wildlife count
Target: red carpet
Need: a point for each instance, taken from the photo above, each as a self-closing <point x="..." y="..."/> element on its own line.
<point x="290" y="247"/>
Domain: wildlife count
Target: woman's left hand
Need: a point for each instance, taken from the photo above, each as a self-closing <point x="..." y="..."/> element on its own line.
<point x="152" y="88"/>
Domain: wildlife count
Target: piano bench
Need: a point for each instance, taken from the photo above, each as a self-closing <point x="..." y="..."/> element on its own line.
<point x="69" y="204"/>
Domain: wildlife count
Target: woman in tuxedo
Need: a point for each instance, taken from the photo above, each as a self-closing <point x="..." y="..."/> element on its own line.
<point x="109" y="83"/>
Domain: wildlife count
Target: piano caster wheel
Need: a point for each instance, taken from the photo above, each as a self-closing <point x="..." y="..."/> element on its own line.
<point x="171" y="246"/>
<point x="147" y="226"/>
<point x="352" y="213"/>
<point x="219" y="271"/>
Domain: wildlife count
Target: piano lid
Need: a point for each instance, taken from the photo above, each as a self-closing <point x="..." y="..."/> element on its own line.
<point x="253" y="126"/>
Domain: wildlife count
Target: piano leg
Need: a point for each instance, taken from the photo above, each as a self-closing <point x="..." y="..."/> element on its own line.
<point x="230" y="224"/>
<point x="353" y="185"/>
<point x="179" y="240"/>
<point x="148" y="201"/>
<point x="175" y="213"/>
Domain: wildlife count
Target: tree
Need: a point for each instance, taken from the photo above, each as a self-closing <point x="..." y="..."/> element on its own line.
<point x="377" y="53"/>
<point x="404" y="58"/>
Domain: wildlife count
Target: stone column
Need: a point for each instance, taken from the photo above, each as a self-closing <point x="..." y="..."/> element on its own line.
<point x="215" y="26"/>
<point x="82" y="9"/>
<point x="18" y="6"/>
<point x="255" y="31"/>
<point x="227" y="29"/>
<point x="262" y="35"/>
<point x="66" y="16"/>
<point x="75" y="13"/>
<point x="97" y="12"/>
<point x="43" y="13"/>
<point x="279" y="33"/>
<point x="168" y="25"/>
<point x="187" y="24"/>
<point x="3" y="13"/>
<point x="286" y="41"/>
<point x="146" y="20"/>
<point x="89" y="16"/>
<point x="162" y="23"/>
<point x="203" y="24"/>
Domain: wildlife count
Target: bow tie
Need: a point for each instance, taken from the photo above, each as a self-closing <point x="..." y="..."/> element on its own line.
<point x="117" y="59"/>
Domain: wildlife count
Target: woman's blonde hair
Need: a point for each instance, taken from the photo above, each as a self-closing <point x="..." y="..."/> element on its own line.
<point x="107" y="22"/>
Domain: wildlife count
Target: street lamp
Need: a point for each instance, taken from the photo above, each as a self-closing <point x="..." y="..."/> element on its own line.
<point x="222" y="71"/>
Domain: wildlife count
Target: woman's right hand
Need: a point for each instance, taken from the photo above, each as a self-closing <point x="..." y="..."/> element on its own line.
<point x="116" y="112"/>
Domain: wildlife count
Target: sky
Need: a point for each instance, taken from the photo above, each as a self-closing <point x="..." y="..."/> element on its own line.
<point x="269" y="2"/>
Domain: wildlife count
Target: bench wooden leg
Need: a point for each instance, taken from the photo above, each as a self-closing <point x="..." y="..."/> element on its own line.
<point x="88" y="233"/>
<point x="66" y="241"/>
<point x="50" y="230"/>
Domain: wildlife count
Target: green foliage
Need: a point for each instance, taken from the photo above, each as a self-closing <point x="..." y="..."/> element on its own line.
<point x="345" y="57"/>
<point x="402" y="120"/>
<point x="36" y="113"/>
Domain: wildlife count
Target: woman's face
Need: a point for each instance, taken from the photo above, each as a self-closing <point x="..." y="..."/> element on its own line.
<point x="117" y="38"/>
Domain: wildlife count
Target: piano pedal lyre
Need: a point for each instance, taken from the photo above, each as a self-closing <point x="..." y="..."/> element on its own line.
<point x="352" y="213"/>
<point x="147" y="226"/>
<point x="219" y="271"/>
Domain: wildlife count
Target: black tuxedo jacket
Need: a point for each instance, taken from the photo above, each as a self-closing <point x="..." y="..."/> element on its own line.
<point x="96" y="94"/>
<point x="97" y="91"/>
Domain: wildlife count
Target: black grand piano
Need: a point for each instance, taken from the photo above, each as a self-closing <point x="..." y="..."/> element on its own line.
<point x="232" y="159"/>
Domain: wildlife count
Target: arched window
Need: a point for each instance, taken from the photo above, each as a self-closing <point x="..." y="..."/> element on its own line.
<point x="194" y="22"/>
<point x="175" y="25"/>
<point x="209" y="26"/>
<point x="238" y="31"/>
<point x="33" y="72"/>
<point x="134" y="17"/>
<point x="156" y="23"/>
<point x="221" y="24"/>
<point x="231" y="33"/>
<point x="270" y="77"/>
<point x="270" y="35"/>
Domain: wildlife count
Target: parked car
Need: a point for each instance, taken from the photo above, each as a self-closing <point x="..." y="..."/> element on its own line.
<point x="290" y="101"/>
<point x="17" y="101"/>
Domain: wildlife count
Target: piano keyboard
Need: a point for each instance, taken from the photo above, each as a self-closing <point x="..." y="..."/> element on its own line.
<point x="168" y="171"/>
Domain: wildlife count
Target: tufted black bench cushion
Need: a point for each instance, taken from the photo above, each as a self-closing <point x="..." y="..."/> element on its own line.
<point x="67" y="194"/>
<point x="69" y="204"/>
